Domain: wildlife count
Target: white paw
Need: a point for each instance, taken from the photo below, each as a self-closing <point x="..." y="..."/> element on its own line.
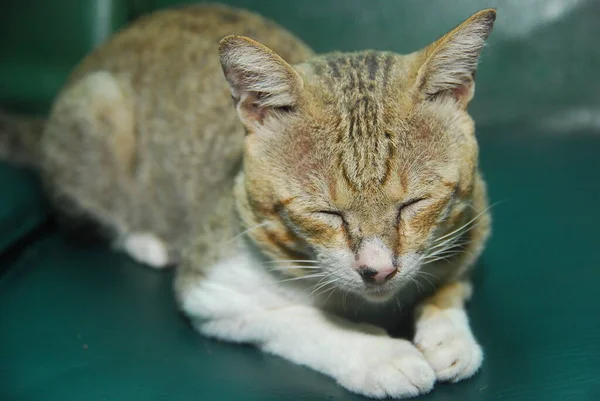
<point x="448" y="344"/>
<point x="385" y="367"/>
<point x="146" y="249"/>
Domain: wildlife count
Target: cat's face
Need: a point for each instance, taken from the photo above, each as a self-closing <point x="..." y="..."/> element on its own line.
<point x="361" y="161"/>
<point x="366" y="207"/>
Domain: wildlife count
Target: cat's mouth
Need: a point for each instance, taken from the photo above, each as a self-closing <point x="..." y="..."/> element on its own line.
<point x="378" y="294"/>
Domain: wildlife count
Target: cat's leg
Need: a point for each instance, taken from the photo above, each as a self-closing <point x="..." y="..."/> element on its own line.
<point x="89" y="161"/>
<point x="444" y="336"/>
<point x="234" y="301"/>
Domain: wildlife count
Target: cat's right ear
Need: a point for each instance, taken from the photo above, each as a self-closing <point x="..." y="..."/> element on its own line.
<point x="449" y="64"/>
<point x="262" y="83"/>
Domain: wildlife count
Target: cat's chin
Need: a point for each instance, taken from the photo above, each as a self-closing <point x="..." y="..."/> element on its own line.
<point x="378" y="296"/>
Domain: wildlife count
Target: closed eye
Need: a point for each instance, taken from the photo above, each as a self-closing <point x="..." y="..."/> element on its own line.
<point x="408" y="208"/>
<point x="331" y="217"/>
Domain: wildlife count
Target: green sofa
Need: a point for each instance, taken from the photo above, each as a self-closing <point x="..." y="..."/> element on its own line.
<point x="79" y="322"/>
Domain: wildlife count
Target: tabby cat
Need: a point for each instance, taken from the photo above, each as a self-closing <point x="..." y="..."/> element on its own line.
<point x="349" y="192"/>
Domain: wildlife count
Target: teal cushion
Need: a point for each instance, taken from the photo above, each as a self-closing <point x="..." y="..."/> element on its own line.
<point x="23" y="207"/>
<point x="542" y="57"/>
<point x="42" y="42"/>
<point x="85" y="323"/>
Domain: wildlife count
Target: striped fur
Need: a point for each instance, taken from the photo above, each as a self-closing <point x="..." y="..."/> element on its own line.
<point x="279" y="211"/>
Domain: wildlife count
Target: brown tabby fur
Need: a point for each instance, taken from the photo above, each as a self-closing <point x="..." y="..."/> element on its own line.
<point x="144" y="138"/>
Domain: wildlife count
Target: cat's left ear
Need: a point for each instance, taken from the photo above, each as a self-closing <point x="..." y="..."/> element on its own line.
<point x="261" y="82"/>
<point x="448" y="65"/>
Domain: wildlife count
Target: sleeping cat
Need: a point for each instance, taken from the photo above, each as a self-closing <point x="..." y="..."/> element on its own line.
<point x="349" y="192"/>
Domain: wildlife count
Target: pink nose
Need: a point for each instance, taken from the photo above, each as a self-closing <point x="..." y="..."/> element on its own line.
<point x="381" y="275"/>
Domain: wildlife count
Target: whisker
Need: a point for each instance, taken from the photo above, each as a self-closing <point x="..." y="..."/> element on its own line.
<point x="457" y="232"/>
<point x="270" y="262"/>
<point x="493" y="204"/>
<point x="417" y="283"/>
<point x="427" y="274"/>
<point x="436" y="259"/>
<point x="307" y="277"/>
<point x="451" y="241"/>
<point x="327" y="288"/>
<point x="453" y="245"/>
<point x="466" y="224"/>
<point x="323" y="285"/>
<point x="330" y="294"/>
<point x="447" y="252"/>
<point x="463" y="230"/>
<point x="249" y="230"/>
<point x="427" y="279"/>
<point x="440" y="253"/>
<point x="344" y="298"/>
<point x="444" y="252"/>
<point x="319" y="282"/>
<point x="290" y="267"/>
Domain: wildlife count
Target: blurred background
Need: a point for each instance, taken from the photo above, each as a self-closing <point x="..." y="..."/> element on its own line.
<point x="85" y="323"/>
<point x="540" y="67"/>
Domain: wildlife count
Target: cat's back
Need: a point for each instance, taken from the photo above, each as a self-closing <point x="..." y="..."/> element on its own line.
<point x="168" y="61"/>
<point x="168" y="64"/>
<point x="148" y="119"/>
<point x="187" y="38"/>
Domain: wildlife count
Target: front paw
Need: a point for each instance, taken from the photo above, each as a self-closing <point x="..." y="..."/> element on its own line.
<point x="382" y="367"/>
<point x="448" y="344"/>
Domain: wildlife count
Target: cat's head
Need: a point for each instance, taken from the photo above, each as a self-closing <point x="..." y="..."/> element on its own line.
<point x="362" y="161"/>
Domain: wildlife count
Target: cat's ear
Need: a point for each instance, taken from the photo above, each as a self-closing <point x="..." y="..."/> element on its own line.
<point x="261" y="82"/>
<point x="448" y="65"/>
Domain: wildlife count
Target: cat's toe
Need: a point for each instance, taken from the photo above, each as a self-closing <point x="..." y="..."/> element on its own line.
<point x="405" y="376"/>
<point x="394" y="370"/>
<point x="450" y="349"/>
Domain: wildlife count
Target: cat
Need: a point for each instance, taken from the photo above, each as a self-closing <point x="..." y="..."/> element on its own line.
<point x="302" y="214"/>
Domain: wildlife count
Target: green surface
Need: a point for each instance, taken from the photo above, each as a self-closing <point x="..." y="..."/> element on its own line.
<point x="22" y="206"/>
<point x="542" y="57"/>
<point x="41" y="41"/>
<point x="81" y="323"/>
<point x="88" y="324"/>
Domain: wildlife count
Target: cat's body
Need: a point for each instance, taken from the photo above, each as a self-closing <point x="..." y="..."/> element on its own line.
<point x="150" y="110"/>
<point x="356" y="191"/>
